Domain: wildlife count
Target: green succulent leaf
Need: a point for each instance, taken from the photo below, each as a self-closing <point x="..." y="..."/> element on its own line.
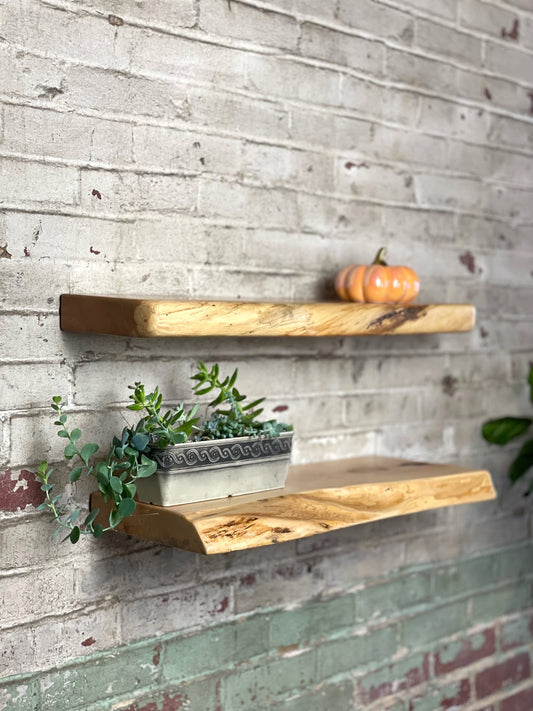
<point x="98" y="530"/>
<point x="203" y="391"/>
<point x="75" y="435"/>
<point x="75" y="534"/>
<point x="140" y="441"/>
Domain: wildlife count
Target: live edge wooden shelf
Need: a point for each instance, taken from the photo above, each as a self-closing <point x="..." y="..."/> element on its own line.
<point x="317" y="498"/>
<point x="146" y="318"/>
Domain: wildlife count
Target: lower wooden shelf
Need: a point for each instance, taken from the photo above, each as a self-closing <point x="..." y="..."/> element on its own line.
<point x="317" y="498"/>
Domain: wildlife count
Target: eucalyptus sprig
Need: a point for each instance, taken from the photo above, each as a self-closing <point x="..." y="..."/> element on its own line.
<point x="504" y="429"/>
<point x="115" y="475"/>
<point x="67" y="521"/>
<point x="239" y="419"/>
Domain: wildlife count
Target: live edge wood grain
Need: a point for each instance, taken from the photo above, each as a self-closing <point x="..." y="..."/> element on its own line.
<point x="147" y="318"/>
<point x="317" y="498"/>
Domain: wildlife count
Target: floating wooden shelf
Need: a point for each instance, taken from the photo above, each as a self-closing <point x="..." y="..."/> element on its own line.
<point x="121" y="316"/>
<point x="317" y="498"/>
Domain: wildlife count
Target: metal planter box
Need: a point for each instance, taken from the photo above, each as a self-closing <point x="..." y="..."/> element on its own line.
<point x="216" y="469"/>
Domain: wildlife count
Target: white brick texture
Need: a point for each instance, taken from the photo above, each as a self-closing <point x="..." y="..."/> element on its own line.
<point x="245" y="149"/>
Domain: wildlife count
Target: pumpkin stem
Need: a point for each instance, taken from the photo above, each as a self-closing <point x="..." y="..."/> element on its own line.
<point x="380" y="257"/>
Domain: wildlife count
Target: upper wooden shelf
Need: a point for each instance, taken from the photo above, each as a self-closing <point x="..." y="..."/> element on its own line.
<point x="317" y="498"/>
<point x="122" y="316"/>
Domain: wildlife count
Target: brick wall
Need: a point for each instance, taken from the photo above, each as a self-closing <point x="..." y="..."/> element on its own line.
<point x="207" y="148"/>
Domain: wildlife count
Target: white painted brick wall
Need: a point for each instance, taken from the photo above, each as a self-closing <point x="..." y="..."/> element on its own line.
<point x="248" y="150"/>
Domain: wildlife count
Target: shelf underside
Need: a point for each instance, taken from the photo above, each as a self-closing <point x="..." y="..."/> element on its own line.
<point x="122" y="316"/>
<point x="317" y="498"/>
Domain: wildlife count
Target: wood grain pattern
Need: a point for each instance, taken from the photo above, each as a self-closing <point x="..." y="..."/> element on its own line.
<point x="317" y="498"/>
<point x="148" y="318"/>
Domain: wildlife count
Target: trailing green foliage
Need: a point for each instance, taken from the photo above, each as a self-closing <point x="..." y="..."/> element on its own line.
<point x="128" y="458"/>
<point x="115" y="476"/>
<point x="503" y="430"/>
<point x="238" y="419"/>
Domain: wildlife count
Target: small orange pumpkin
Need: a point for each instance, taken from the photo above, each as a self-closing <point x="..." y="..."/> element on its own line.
<point x="377" y="282"/>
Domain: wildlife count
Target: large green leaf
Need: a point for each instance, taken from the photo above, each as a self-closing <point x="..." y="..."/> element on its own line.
<point x="126" y="507"/>
<point x="505" y="429"/>
<point x="523" y="461"/>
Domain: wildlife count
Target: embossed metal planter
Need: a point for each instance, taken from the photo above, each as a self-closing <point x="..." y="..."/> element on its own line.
<point x="215" y="469"/>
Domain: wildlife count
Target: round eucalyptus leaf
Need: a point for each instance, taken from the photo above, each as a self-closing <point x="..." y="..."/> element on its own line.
<point x="126" y="507"/>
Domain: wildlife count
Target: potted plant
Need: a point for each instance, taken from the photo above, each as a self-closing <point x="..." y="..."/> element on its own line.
<point x="504" y="429"/>
<point x="173" y="458"/>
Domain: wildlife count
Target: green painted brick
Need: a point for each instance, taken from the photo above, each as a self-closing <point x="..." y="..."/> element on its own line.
<point x="466" y="576"/>
<point x="455" y="695"/>
<point x="349" y="654"/>
<point x="298" y="627"/>
<point x="466" y="650"/>
<point x="516" y="633"/>
<point x="260" y="687"/>
<point x="325" y="697"/>
<point x="20" y="695"/>
<point x="393" y="596"/>
<point x="215" y="649"/>
<point x="109" y="675"/>
<point x="516" y="562"/>
<point x="434" y="624"/>
<point x="199" y="695"/>
<point x="505" y="601"/>
<point x="391" y="706"/>
<point x="395" y="676"/>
